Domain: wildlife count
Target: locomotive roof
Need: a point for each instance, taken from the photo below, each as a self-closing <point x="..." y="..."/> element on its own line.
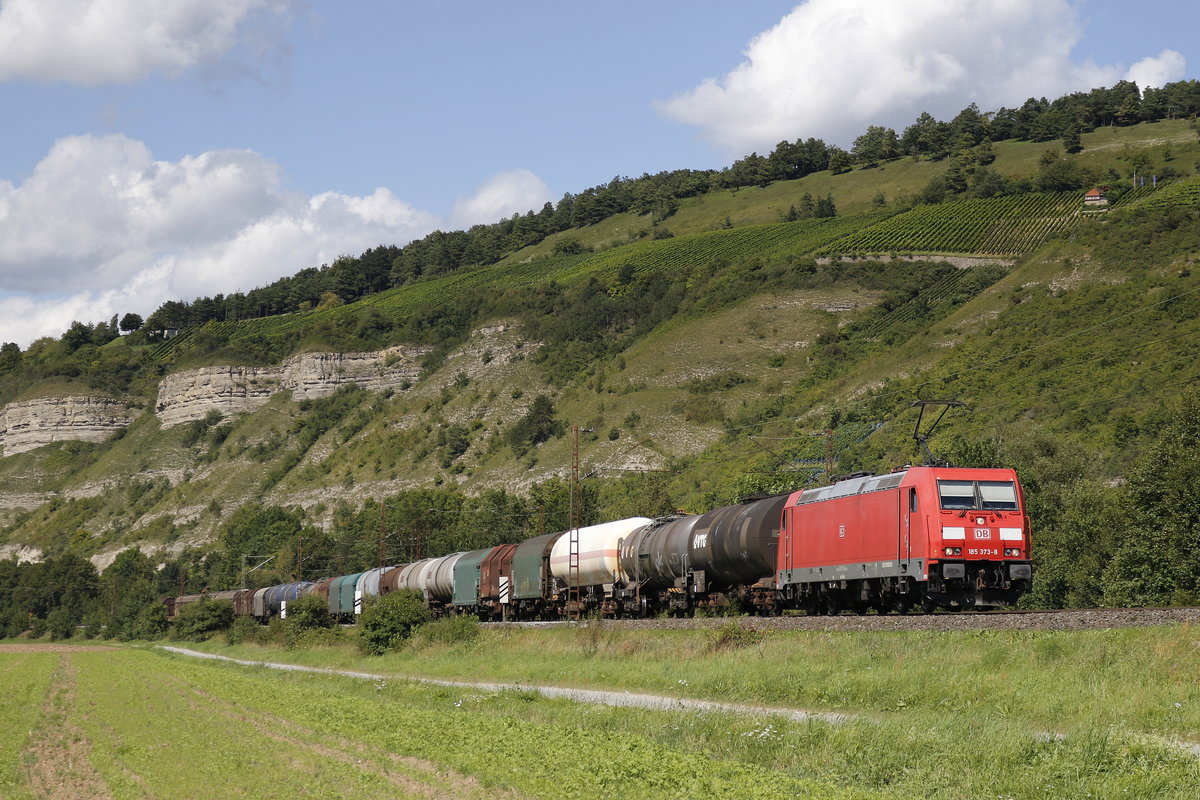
<point x="868" y="483"/>
<point x="873" y="483"/>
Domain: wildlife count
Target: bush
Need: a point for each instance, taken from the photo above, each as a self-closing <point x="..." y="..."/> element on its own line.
<point x="304" y="616"/>
<point x="60" y="624"/>
<point x="243" y="629"/>
<point x="93" y="625"/>
<point x="150" y="623"/>
<point x="449" y="630"/>
<point x="201" y="619"/>
<point x="388" y="621"/>
<point x="37" y="628"/>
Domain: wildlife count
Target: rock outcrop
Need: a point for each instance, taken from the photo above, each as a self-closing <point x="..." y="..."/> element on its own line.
<point x="32" y="423"/>
<point x="190" y="395"/>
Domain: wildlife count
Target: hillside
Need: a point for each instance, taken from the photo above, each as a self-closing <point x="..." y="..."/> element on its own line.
<point x="703" y="357"/>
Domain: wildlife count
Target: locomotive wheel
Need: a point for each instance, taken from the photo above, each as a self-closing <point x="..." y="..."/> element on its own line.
<point x="928" y="606"/>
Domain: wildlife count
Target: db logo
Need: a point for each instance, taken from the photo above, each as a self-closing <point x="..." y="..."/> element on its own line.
<point x="983" y="533"/>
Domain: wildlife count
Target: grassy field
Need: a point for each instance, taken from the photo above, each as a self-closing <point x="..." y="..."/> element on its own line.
<point x="941" y="715"/>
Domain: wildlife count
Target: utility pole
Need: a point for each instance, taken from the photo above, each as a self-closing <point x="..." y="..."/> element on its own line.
<point x="829" y="455"/>
<point x="379" y="556"/>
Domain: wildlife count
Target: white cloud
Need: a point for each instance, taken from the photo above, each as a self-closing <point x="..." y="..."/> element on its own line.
<point x="102" y="228"/>
<point x="832" y="67"/>
<point x="92" y="42"/>
<point x="508" y="193"/>
<point x="1155" y="71"/>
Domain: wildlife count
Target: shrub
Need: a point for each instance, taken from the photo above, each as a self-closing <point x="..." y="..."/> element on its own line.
<point x="37" y="628"/>
<point x="388" y="621"/>
<point x="93" y="624"/>
<point x="243" y="629"/>
<point x="149" y="624"/>
<point x="201" y="619"/>
<point x="14" y="623"/>
<point x="310" y="613"/>
<point x="60" y="624"/>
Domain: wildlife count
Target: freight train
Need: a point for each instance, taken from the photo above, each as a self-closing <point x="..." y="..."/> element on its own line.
<point x="920" y="538"/>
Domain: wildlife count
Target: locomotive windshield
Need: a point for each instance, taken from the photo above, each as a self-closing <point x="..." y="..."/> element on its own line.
<point x="978" y="495"/>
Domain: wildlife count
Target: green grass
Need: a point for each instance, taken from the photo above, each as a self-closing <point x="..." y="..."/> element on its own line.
<point x="26" y="680"/>
<point x="940" y="715"/>
<point x="1048" y="680"/>
<point x="153" y="725"/>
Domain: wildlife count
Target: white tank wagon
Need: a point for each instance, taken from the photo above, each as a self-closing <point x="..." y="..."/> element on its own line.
<point x="599" y="553"/>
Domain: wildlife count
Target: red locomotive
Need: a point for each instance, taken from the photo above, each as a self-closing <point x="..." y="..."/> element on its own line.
<point x="923" y="537"/>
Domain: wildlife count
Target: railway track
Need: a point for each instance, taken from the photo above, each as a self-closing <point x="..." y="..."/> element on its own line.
<point x="1039" y="619"/>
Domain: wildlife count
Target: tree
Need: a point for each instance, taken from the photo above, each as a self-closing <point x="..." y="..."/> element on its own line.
<point x="10" y="357"/>
<point x="537" y="426"/>
<point x="877" y="144"/>
<point x="77" y="335"/>
<point x="926" y="137"/>
<point x="1159" y="561"/>
<point x="131" y="322"/>
<point x="839" y="161"/>
<point x="1072" y="142"/>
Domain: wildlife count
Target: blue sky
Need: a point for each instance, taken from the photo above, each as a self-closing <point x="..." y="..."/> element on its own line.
<point x="158" y="150"/>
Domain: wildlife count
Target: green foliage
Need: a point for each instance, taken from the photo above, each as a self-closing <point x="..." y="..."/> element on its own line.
<point x="538" y="425"/>
<point x="996" y="225"/>
<point x="457" y="629"/>
<point x="202" y="620"/>
<point x="733" y="635"/>
<point x="388" y="621"/>
<point x="243" y="629"/>
<point x="717" y="382"/>
<point x="150" y="624"/>
<point x="306" y="616"/>
<point x="1158" y="562"/>
<point x="60" y="624"/>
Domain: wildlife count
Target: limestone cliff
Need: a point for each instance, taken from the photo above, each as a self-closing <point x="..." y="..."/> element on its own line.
<point x="32" y="423"/>
<point x="191" y="394"/>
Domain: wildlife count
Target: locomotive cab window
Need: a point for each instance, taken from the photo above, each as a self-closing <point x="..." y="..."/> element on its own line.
<point x="957" y="495"/>
<point x="998" y="495"/>
<point x="978" y="495"/>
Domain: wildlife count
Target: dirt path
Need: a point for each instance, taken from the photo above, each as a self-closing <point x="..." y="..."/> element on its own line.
<point x="55" y="763"/>
<point x="33" y="647"/>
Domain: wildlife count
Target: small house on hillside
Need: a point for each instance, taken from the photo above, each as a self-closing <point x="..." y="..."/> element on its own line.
<point x="1096" y="197"/>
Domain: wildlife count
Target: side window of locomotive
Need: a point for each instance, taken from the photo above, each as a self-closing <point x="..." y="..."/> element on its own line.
<point x="998" y="495"/>
<point x="912" y="500"/>
<point x="956" y="495"/>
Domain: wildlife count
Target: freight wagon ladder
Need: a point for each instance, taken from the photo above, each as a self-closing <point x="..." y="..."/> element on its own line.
<point x="573" y="596"/>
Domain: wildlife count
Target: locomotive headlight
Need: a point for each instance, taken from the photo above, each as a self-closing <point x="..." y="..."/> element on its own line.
<point x="954" y="551"/>
<point x="1012" y="552"/>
